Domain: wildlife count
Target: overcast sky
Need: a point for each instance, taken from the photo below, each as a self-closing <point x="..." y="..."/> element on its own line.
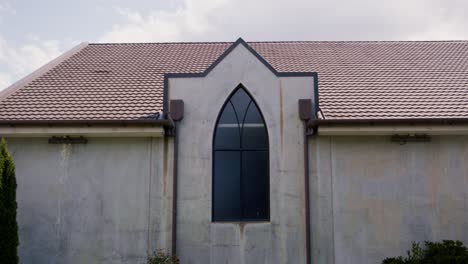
<point x="33" y="32"/>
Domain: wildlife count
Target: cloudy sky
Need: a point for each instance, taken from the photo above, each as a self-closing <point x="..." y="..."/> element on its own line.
<point x="34" y="32"/>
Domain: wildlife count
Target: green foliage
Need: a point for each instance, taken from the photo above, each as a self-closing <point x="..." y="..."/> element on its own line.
<point x="8" y="226"/>
<point x="415" y="256"/>
<point x="445" y="252"/>
<point x="160" y="257"/>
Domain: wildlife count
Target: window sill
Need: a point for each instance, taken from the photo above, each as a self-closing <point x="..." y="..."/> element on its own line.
<point x="263" y="221"/>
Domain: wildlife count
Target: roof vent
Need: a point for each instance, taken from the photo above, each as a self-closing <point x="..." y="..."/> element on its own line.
<point x="403" y="139"/>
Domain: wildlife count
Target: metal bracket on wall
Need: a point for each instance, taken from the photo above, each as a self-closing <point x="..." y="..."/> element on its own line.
<point x="403" y="139"/>
<point x="68" y="140"/>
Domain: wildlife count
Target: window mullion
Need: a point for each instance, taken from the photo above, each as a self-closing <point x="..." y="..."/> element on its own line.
<point x="243" y="121"/>
<point x="241" y="187"/>
<point x="238" y="124"/>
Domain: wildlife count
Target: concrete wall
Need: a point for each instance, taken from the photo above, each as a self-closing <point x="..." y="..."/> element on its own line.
<point x="280" y="240"/>
<point x="108" y="201"/>
<point x="370" y="198"/>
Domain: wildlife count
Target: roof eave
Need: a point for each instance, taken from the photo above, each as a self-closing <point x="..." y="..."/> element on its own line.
<point x="396" y="121"/>
<point x="86" y="128"/>
<point x="433" y="126"/>
<point x="136" y="122"/>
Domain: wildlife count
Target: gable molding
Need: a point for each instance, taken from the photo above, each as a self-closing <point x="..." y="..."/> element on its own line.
<point x="238" y="42"/>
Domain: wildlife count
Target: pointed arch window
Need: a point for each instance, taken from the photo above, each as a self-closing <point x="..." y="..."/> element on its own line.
<point x="240" y="161"/>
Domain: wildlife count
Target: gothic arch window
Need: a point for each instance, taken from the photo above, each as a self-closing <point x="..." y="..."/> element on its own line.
<point x="240" y="162"/>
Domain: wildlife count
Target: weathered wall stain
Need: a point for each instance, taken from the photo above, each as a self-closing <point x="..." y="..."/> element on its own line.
<point x="165" y="161"/>
<point x="281" y="113"/>
<point x="385" y="195"/>
<point x="98" y="211"/>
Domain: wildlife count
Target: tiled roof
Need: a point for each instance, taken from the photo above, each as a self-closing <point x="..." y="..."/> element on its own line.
<point x="357" y="80"/>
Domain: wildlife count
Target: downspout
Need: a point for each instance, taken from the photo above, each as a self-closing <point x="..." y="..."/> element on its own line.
<point x="306" y="189"/>
<point x="305" y="114"/>
<point x="174" y="191"/>
<point x="176" y="115"/>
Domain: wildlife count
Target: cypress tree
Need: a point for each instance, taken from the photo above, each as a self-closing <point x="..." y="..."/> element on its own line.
<point x="8" y="226"/>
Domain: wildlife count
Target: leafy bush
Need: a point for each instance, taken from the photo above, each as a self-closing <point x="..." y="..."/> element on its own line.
<point x="160" y="257"/>
<point x="445" y="252"/>
<point x="8" y="226"/>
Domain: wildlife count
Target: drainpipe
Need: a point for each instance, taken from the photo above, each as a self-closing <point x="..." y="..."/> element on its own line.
<point x="174" y="193"/>
<point x="176" y="114"/>
<point x="305" y="114"/>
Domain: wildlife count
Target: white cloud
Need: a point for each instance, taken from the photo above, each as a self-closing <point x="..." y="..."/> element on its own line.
<point x="226" y="20"/>
<point x="6" y="7"/>
<point x="18" y="61"/>
<point x="191" y="18"/>
<point x="5" y="80"/>
<point x="211" y="20"/>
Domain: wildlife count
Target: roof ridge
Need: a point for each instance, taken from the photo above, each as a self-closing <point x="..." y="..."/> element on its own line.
<point x="281" y="41"/>
<point x="160" y="43"/>
<point x="359" y="41"/>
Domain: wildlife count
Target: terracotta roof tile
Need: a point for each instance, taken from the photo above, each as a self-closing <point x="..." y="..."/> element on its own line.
<point x="357" y="80"/>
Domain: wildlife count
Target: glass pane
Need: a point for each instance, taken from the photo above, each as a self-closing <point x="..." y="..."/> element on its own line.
<point x="226" y="182"/>
<point x="240" y="100"/>
<point x="228" y="116"/>
<point x="254" y="134"/>
<point x="227" y="130"/>
<point x="255" y="186"/>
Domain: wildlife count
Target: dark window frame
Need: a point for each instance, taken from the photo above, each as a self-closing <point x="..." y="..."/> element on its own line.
<point x="240" y="150"/>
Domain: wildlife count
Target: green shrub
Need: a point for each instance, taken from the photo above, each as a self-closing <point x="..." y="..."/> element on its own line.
<point x="8" y="226"/>
<point x="159" y="257"/>
<point x="445" y="252"/>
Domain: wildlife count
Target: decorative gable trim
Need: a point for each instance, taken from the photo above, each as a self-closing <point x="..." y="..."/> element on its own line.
<point x="238" y="42"/>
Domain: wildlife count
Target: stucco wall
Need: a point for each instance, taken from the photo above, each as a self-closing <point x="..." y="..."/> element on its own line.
<point x="280" y="240"/>
<point x="107" y="201"/>
<point x="370" y="198"/>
